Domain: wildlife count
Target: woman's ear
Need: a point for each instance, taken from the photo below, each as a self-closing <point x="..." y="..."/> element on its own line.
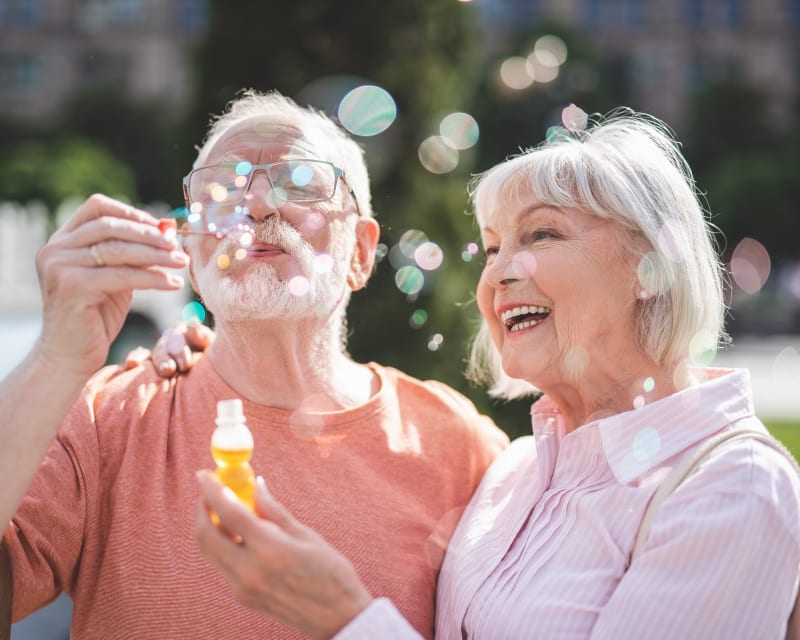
<point x="363" y="260"/>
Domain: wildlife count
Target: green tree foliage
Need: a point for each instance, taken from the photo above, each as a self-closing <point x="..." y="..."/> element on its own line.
<point x="513" y="120"/>
<point x="55" y="170"/>
<point x="748" y="166"/>
<point x="140" y="133"/>
<point x="755" y="195"/>
<point x="727" y="118"/>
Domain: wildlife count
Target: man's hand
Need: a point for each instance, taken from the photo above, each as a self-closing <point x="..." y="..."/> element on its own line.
<point x="276" y="565"/>
<point x="87" y="273"/>
<point x="173" y="351"/>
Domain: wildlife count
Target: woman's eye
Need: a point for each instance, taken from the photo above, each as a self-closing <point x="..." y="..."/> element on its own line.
<point x="543" y="234"/>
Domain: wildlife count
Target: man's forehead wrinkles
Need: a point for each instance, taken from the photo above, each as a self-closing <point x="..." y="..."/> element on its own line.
<point x="264" y="150"/>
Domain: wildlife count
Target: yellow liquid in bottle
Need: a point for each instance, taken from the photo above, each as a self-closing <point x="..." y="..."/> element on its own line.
<point x="235" y="472"/>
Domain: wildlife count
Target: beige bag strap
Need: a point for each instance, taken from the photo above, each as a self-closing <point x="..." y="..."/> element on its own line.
<point x="683" y="469"/>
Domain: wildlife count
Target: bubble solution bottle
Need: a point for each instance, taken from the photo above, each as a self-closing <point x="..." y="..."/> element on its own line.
<point x="232" y="448"/>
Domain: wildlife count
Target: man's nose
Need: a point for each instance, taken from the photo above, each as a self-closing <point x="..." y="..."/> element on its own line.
<point x="260" y="199"/>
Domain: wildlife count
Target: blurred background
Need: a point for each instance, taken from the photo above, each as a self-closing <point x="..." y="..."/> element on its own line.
<point x="113" y="96"/>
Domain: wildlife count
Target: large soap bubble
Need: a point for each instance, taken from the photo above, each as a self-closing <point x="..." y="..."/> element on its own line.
<point x="367" y="110"/>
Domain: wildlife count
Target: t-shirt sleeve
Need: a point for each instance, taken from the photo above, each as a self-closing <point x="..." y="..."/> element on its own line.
<point x="488" y="440"/>
<point x="45" y="537"/>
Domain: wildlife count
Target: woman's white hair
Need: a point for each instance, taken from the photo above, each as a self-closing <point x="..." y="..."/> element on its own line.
<point x="626" y="167"/>
<point x="335" y="145"/>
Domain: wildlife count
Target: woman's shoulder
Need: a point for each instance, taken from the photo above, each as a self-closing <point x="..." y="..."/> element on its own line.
<point x="749" y="469"/>
<point x="517" y="461"/>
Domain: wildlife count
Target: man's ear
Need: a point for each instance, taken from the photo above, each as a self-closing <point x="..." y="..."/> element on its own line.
<point x="363" y="260"/>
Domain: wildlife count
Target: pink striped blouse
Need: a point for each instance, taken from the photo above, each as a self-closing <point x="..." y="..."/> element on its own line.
<point x="543" y="548"/>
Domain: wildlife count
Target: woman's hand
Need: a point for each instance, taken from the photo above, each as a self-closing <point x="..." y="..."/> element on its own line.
<point x="276" y="565"/>
<point x="173" y="351"/>
<point x="88" y="271"/>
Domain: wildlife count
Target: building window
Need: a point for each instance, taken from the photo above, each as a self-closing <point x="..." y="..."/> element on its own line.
<point x="594" y="13"/>
<point x="20" y="74"/>
<point x="695" y="13"/>
<point x="126" y="12"/>
<point x="732" y="13"/>
<point x="794" y="12"/>
<point x="509" y="12"/>
<point x="633" y="13"/>
<point x="100" y="68"/>
<point x="20" y="13"/>
<point x="191" y="16"/>
<point x="97" y="15"/>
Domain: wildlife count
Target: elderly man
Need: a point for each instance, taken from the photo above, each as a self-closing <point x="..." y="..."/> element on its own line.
<point x="100" y="467"/>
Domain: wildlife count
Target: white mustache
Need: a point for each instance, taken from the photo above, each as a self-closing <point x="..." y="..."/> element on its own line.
<point x="275" y="232"/>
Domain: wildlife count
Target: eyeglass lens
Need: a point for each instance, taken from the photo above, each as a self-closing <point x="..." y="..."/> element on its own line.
<point x="293" y="181"/>
<point x="219" y="195"/>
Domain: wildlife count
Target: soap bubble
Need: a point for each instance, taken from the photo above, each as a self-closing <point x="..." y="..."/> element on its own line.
<point x="418" y="318"/>
<point x="436" y="156"/>
<point x="646" y="444"/>
<point x="750" y="265"/>
<point x="574" y="118"/>
<point x="435" y="342"/>
<point x="429" y="256"/>
<point x="299" y="286"/>
<point x="409" y="280"/>
<point x="459" y="130"/>
<point x="367" y="110"/>
<point x="193" y="311"/>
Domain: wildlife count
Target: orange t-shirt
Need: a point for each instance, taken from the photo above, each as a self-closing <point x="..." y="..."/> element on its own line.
<point x="109" y="517"/>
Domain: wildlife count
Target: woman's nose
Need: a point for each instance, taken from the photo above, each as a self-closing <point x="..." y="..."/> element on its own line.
<point x="508" y="267"/>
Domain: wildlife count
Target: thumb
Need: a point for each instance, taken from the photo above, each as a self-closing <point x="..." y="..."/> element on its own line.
<point x="269" y="508"/>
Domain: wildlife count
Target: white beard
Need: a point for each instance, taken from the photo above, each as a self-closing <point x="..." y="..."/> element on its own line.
<point x="259" y="294"/>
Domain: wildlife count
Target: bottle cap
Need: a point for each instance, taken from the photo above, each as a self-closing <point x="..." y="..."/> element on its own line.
<point x="165" y="224"/>
<point x="229" y="411"/>
<point x="231" y="432"/>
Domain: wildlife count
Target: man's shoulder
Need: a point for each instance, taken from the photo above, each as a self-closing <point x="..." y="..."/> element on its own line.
<point x="113" y="382"/>
<point x="443" y="406"/>
<point x="426" y="390"/>
<point x="115" y="395"/>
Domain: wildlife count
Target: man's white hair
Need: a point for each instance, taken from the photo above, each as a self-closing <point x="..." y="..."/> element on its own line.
<point x="335" y="145"/>
<point x="626" y="167"/>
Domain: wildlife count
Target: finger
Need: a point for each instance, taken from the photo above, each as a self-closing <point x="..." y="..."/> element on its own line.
<point x="222" y="500"/>
<point x="114" y="279"/>
<point x="198" y="336"/>
<point x="116" y="252"/>
<point x="174" y="339"/>
<point x="166" y="368"/>
<point x="217" y="545"/>
<point x="115" y="235"/>
<point x="99" y="205"/>
<point x="183" y="359"/>
<point x="163" y="362"/>
<point x="233" y="515"/>
<point x="135" y="358"/>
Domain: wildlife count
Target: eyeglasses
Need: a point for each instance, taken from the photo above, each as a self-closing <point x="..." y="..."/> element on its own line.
<point x="299" y="180"/>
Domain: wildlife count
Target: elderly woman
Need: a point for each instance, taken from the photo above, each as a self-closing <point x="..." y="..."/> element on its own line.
<point x="602" y="289"/>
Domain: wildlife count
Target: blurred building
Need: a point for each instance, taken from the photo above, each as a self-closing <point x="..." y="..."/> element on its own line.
<point x="667" y="49"/>
<point x="51" y="48"/>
